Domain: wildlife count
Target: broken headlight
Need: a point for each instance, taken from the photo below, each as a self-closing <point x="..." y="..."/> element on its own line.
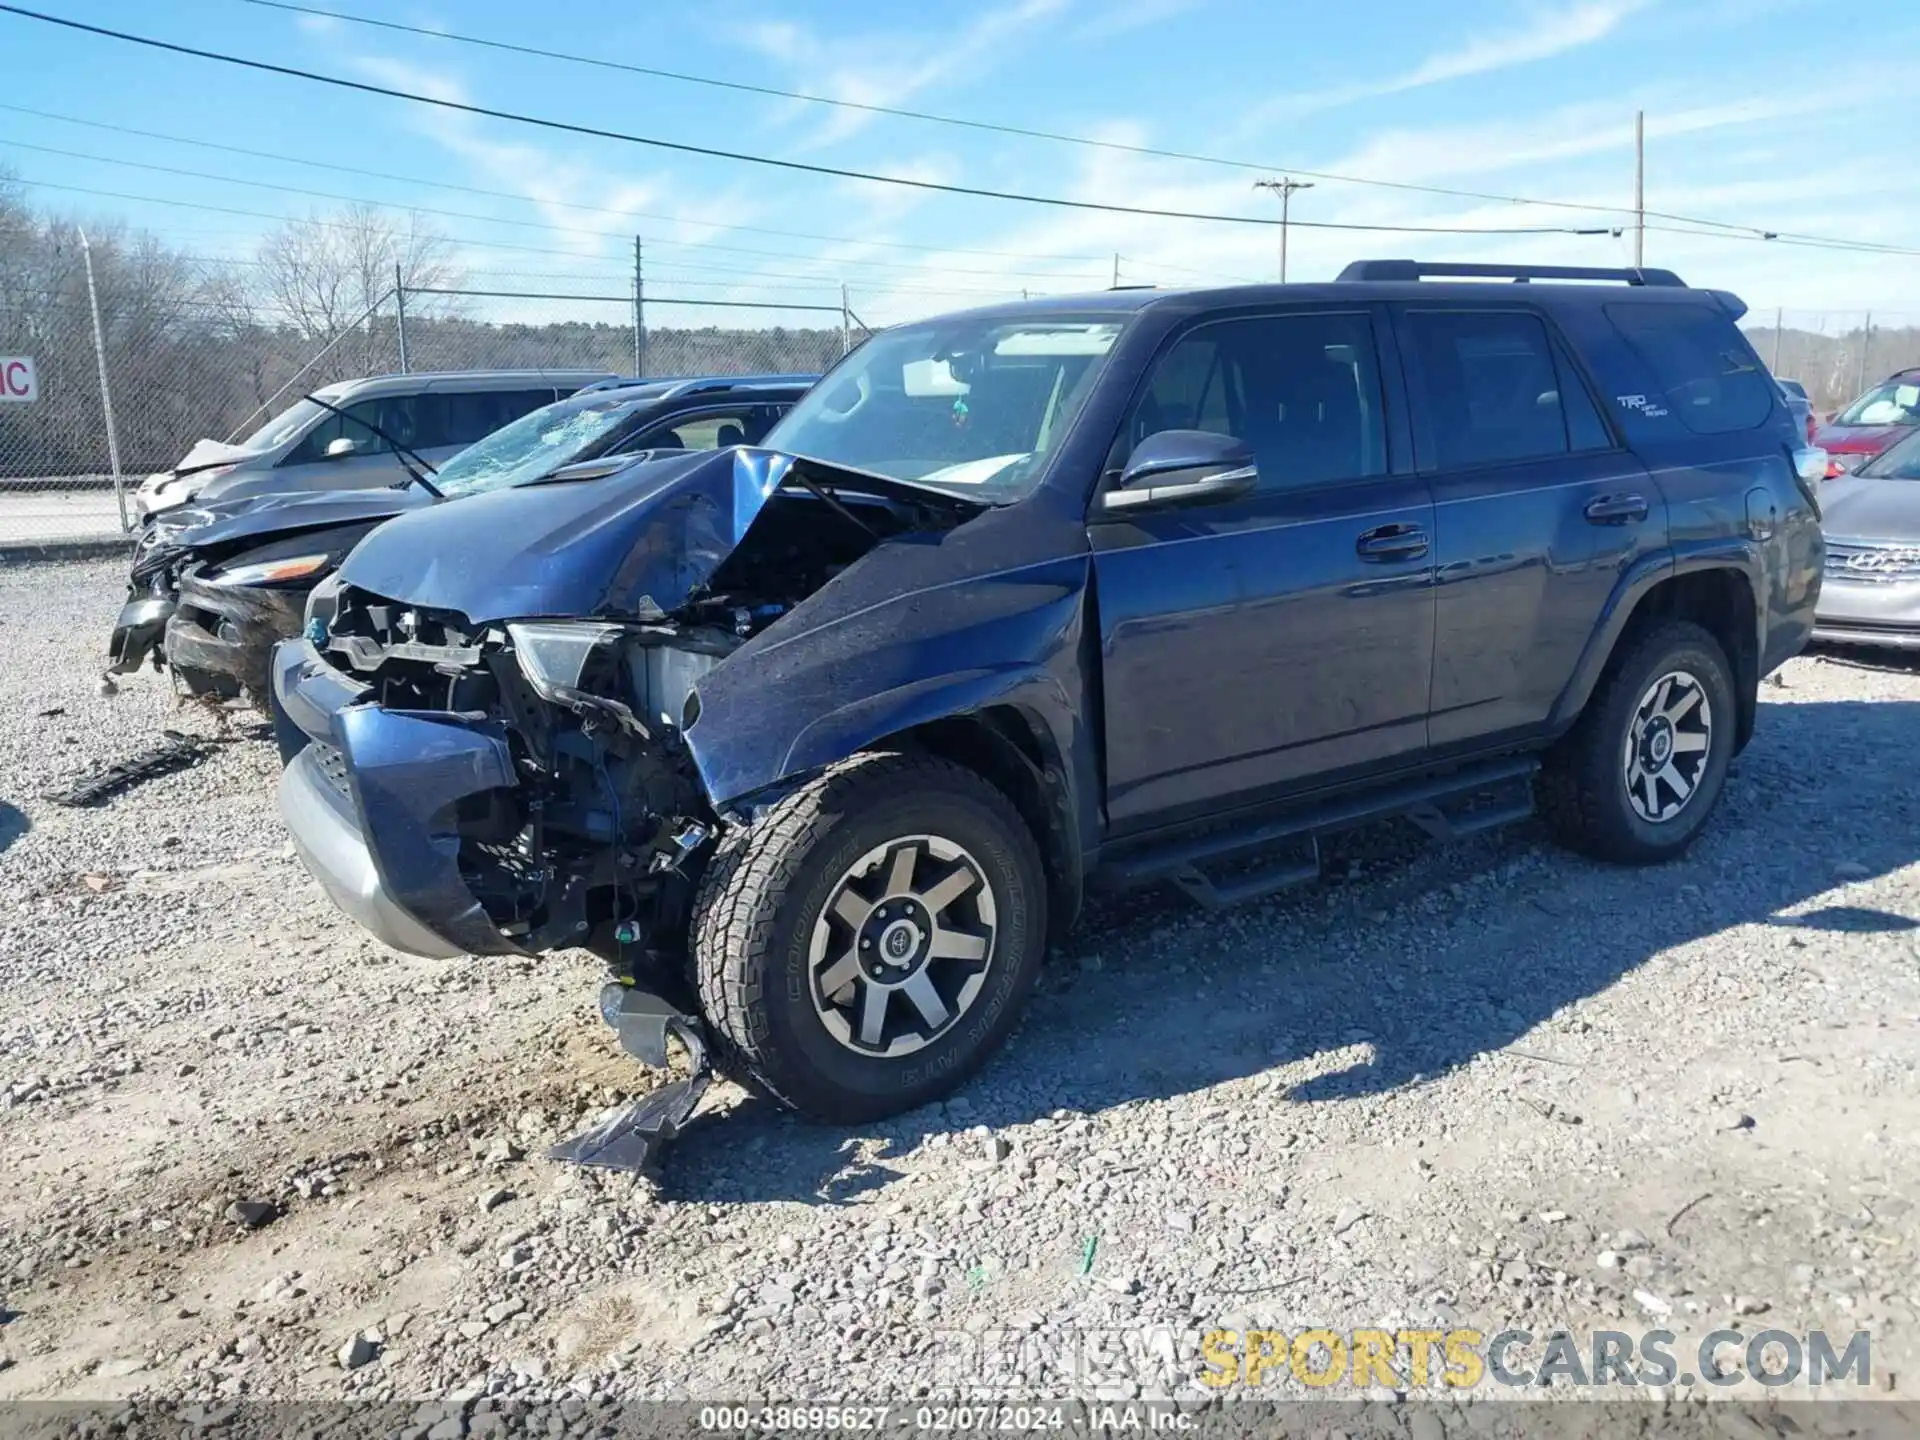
<point x="323" y="601"/>
<point x="273" y="572"/>
<point x="553" y="654"/>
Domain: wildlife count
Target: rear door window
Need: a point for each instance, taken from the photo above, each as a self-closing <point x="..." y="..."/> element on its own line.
<point x="1491" y="387"/>
<point x="1713" y="380"/>
<point x="468" y="415"/>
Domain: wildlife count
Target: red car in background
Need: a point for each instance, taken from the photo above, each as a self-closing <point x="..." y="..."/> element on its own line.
<point x="1888" y="412"/>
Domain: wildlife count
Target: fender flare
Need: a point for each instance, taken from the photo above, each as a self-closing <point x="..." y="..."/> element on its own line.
<point x="1033" y="692"/>
<point x="1636" y="582"/>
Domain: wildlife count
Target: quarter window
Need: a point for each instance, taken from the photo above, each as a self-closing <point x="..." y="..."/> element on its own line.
<point x="1302" y="390"/>
<point x="1714" y="381"/>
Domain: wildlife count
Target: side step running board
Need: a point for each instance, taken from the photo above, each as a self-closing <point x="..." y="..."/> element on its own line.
<point x="1425" y="803"/>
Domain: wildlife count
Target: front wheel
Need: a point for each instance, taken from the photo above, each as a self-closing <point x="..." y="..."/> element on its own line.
<point x="865" y="944"/>
<point x="1636" y="779"/>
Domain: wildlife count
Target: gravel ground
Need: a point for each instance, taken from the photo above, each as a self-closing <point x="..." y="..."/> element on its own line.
<point x="250" y="1153"/>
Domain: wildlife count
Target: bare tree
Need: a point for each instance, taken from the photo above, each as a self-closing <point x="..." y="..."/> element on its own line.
<point x="327" y="272"/>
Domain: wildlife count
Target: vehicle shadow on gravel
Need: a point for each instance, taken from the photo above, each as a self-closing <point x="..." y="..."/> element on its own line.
<point x="1386" y="985"/>
<point x="13" y="825"/>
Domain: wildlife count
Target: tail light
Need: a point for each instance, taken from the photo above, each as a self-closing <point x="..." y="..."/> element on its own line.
<point x="1811" y="465"/>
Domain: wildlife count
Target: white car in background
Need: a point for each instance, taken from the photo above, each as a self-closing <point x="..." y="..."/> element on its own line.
<point x="342" y="436"/>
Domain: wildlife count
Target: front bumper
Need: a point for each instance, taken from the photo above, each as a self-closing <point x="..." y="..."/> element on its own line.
<point x="370" y="798"/>
<point x="138" y="633"/>
<point x="1880" y="613"/>
<point x="219" y="637"/>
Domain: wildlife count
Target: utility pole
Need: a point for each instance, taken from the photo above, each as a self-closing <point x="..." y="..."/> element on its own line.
<point x="1779" y="324"/>
<point x="1116" y="269"/>
<point x="1284" y="188"/>
<point x="106" y="390"/>
<point x="639" y="314"/>
<point x="1866" y="344"/>
<point x="1639" y="188"/>
<point x="400" y="315"/>
<point x="846" y="321"/>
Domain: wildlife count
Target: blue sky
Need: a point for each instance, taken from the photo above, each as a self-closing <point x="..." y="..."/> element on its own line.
<point x="1780" y="114"/>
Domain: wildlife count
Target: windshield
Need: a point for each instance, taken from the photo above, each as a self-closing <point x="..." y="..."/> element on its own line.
<point x="972" y="407"/>
<point x="534" y="446"/>
<point x="1898" y="462"/>
<point x="1895" y="403"/>
<point x="285" y="426"/>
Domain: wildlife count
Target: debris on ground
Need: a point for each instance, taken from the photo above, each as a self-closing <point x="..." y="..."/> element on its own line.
<point x="173" y="752"/>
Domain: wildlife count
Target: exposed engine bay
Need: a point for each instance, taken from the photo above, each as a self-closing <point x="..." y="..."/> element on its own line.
<point x="601" y="841"/>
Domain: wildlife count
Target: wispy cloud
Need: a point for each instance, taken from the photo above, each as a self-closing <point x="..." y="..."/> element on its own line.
<point x="555" y="183"/>
<point x="1124" y="16"/>
<point x="1446" y="154"/>
<point x="891" y="69"/>
<point x="1542" y="36"/>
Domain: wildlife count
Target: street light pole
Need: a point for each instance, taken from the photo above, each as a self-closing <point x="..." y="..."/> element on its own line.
<point x="1284" y="188"/>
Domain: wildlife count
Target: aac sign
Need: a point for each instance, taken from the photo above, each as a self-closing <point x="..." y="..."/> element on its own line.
<point x="17" y="380"/>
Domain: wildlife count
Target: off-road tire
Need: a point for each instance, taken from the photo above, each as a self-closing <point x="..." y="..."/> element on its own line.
<point x="766" y="886"/>
<point x="1581" y="792"/>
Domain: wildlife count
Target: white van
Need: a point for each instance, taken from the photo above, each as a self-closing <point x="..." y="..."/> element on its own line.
<point x="309" y="446"/>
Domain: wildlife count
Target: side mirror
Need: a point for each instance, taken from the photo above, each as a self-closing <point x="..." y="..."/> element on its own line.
<point x="1182" y="467"/>
<point x="341" y="446"/>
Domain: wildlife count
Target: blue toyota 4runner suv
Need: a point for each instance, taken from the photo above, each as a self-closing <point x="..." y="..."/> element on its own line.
<point x="817" y="742"/>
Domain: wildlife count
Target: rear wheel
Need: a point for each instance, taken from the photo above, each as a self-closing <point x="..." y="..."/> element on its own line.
<point x="869" y="941"/>
<point x="1637" y="778"/>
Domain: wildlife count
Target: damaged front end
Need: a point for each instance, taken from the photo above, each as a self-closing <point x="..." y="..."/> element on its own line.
<point x="485" y="719"/>
<point x="153" y="590"/>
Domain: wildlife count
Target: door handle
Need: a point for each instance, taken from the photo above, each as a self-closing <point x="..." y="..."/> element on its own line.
<point x="1617" y="509"/>
<point x="1392" y="542"/>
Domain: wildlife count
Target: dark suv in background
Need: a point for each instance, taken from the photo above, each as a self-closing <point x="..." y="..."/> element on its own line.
<point x="821" y="740"/>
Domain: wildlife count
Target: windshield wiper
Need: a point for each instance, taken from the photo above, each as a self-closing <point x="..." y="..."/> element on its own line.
<point x="400" y="452"/>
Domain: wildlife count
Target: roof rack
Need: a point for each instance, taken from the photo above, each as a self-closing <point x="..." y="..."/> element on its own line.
<point x="1386" y="270"/>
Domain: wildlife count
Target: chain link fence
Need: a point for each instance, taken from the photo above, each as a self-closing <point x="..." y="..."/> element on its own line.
<point x="104" y="416"/>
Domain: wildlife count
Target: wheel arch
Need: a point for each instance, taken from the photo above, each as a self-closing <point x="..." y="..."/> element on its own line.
<point x="1012" y="750"/>
<point x="1716" y="591"/>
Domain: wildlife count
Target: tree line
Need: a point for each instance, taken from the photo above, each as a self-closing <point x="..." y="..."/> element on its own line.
<point x="198" y="347"/>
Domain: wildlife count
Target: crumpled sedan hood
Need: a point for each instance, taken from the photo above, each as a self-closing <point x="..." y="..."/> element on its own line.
<point x="635" y="544"/>
<point x="291" y="512"/>
<point x="1863" y="508"/>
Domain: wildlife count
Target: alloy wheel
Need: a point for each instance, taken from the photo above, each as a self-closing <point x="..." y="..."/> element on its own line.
<point x="1669" y="740"/>
<point x="902" y="947"/>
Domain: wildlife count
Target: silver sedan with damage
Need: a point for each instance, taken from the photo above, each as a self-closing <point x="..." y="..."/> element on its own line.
<point x="1871" y="591"/>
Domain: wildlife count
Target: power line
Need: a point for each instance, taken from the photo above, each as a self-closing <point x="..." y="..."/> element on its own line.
<point x="743" y="157"/>
<point x="782" y="232"/>
<point x="997" y="127"/>
<point x="887" y="283"/>
<point x="540" y="225"/>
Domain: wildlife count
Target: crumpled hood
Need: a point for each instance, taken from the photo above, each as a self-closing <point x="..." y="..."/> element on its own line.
<point x="209" y="452"/>
<point x="1862" y="508"/>
<point x="636" y="543"/>
<point x="204" y="455"/>
<point x="264" y="516"/>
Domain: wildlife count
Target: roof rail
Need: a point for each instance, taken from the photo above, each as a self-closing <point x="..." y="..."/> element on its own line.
<point x="702" y="384"/>
<point x="1383" y="270"/>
